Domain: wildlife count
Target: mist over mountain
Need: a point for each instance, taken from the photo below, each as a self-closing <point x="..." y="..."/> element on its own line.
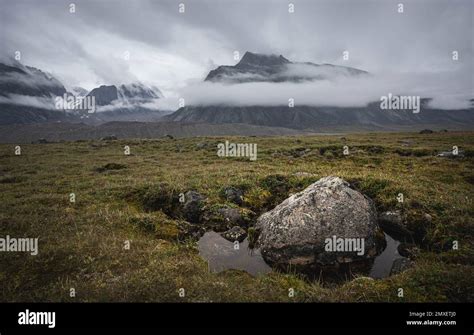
<point x="409" y="53"/>
<point x="126" y="102"/>
<point x="332" y="62"/>
<point x="130" y="94"/>
<point x="255" y="67"/>
<point x="17" y="79"/>
<point x="256" y="91"/>
<point x="79" y="91"/>
<point x="270" y="90"/>
<point x="29" y="95"/>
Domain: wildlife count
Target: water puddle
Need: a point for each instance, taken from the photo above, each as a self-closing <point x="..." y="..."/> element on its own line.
<point x="383" y="263"/>
<point x="221" y="255"/>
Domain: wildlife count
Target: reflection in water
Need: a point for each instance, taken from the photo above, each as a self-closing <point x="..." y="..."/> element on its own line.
<point x="384" y="262"/>
<point x="221" y="255"/>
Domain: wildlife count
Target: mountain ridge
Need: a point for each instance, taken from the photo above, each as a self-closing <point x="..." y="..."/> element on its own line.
<point x="254" y="67"/>
<point x="310" y="117"/>
<point x="28" y="95"/>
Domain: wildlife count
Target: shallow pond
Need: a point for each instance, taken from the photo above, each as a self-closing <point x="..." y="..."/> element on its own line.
<point x="222" y="255"/>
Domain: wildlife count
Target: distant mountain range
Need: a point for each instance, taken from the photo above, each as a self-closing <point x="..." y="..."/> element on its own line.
<point x="27" y="94"/>
<point x="321" y="118"/>
<point x="272" y="68"/>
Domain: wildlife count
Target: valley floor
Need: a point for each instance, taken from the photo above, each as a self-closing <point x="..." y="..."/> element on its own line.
<point x="84" y="245"/>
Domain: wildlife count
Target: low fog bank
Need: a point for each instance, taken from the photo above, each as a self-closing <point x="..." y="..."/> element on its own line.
<point x="321" y="86"/>
<point x="447" y="90"/>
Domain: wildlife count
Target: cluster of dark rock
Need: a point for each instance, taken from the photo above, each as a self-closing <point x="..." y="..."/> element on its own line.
<point x="230" y="220"/>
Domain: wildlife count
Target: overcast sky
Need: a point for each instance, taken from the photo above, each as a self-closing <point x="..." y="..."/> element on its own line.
<point x="172" y="50"/>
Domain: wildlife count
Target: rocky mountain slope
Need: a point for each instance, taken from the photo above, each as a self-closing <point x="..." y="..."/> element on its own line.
<point x="125" y="94"/>
<point x="271" y="68"/>
<point x="26" y="95"/>
<point x="321" y="118"/>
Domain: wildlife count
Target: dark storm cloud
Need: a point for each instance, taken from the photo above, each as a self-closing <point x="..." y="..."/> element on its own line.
<point x="175" y="51"/>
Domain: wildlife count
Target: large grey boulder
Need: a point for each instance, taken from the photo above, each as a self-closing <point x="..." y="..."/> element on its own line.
<point x="296" y="233"/>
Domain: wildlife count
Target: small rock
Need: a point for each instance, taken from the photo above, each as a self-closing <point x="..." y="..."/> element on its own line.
<point x="450" y="154"/>
<point x="300" y="152"/>
<point x="426" y="131"/>
<point x="427" y="217"/>
<point x="231" y="216"/>
<point x="201" y="145"/>
<point x="110" y="166"/>
<point x="236" y="233"/>
<point x="192" y="207"/>
<point x="187" y="230"/>
<point x="234" y="195"/>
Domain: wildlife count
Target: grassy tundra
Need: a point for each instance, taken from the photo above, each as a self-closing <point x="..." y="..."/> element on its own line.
<point x="123" y="198"/>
